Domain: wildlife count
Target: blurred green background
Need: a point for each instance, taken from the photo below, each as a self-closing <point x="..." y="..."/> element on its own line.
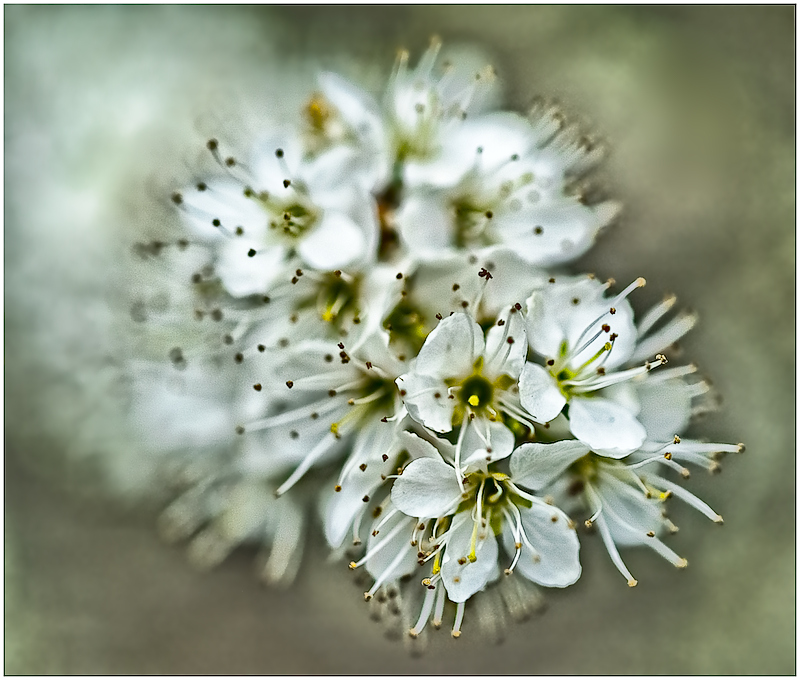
<point x="697" y="105"/>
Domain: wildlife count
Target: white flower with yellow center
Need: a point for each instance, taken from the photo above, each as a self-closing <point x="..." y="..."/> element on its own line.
<point x="512" y="194"/>
<point x="458" y="529"/>
<point x="461" y="379"/>
<point x="276" y="206"/>
<point x="584" y="337"/>
<point x="625" y="499"/>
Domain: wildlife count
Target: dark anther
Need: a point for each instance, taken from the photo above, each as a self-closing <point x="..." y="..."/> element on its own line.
<point x="261" y="348"/>
<point x="283" y="342"/>
<point x="216" y="314"/>
<point x="239" y="231"/>
<point x="257" y="387"/>
<point x="501" y="322"/>
<point x="227" y="339"/>
<point x="331" y="393"/>
<point x="202" y="186"/>
<point x="399" y="275"/>
<point x="550" y="362"/>
<point x="403" y="393"/>
<point x="438" y="316"/>
<point x="464" y="304"/>
<point x="384" y="457"/>
<point x="294" y="434"/>
<point x="340" y="345"/>
<point x="196" y="278"/>
<point x="338" y="272"/>
<point x="239" y="429"/>
<point x="329" y="358"/>
<point x="230" y="161"/>
<point x="177" y="199"/>
<point x="289" y="384"/>
<point x="362" y="467"/>
<point x="515" y="157"/>
<point x="538" y="231"/>
<point x="551" y="280"/>
<point x="606" y="327"/>
<point x="248" y="192"/>
<point x="369" y="364"/>
<point x="510" y="340"/>
<point x="365" y="499"/>
<point x="517" y="306"/>
<point x="265" y="299"/>
<point x="575" y="301"/>
<point x="455" y="287"/>
<point x="489" y="214"/>
<point x="279" y="153"/>
<point x="612" y="310"/>
<point x="212" y="144"/>
<point x="238" y="358"/>
<point x="216" y="222"/>
<point x="286" y="183"/>
<point x="251" y="252"/>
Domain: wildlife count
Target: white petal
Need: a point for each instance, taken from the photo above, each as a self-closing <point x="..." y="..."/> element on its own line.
<point x="536" y="465"/>
<point x="426" y="223"/>
<point x="356" y="107"/>
<point x="485" y="439"/>
<point x="666" y="408"/>
<point x="335" y="242"/>
<point x="343" y="505"/>
<point x="223" y="200"/>
<point x="554" y="232"/>
<point x="417" y="447"/>
<point x="556" y="564"/>
<point x="554" y="317"/>
<point x="462" y="581"/>
<point x="387" y="564"/>
<point x="452" y="348"/>
<point x="504" y="357"/>
<point x="604" y="426"/>
<point x="628" y="513"/>
<point x="427" y="488"/>
<point x="244" y="275"/>
<point x="422" y="403"/>
<point x="539" y="393"/>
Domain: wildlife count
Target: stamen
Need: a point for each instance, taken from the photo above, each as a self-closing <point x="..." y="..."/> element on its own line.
<point x="456" y="633"/>
<point x="427" y="606"/>
<point x="380" y="545"/>
<point x="441" y="598"/>
<point x="639" y="283"/>
<point x="312" y="457"/>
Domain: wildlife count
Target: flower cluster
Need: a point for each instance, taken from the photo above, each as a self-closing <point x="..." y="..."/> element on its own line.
<point x="366" y="324"/>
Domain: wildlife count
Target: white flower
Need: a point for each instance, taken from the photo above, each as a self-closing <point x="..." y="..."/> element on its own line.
<point x="583" y="337"/>
<point x="276" y="205"/>
<point x="512" y="193"/>
<point x="461" y="379"/>
<point x="321" y="400"/>
<point x="626" y="499"/>
<point x="401" y="139"/>
<point x="460" y="531"/>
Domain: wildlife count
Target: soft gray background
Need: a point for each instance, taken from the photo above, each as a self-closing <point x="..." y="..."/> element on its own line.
<point x="697" y="105"/>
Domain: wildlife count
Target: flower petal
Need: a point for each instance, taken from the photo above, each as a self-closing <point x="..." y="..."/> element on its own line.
<point x="536" y="465"/>
<point x="462" y="581"/>
<point x="426" y="224"/>
<point x="335" y="242"/>
<point x="485" y="442"/>
<point x="539" y="393"/>
<point x="452" y="348"/>
<point x="556" y="563"/>
<point x="242" y="274"/>
<point x="428" y="488"/>
<point x="665" y="408"/>
<point x="422" y="403"/>
<point x="606" y="427"/>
